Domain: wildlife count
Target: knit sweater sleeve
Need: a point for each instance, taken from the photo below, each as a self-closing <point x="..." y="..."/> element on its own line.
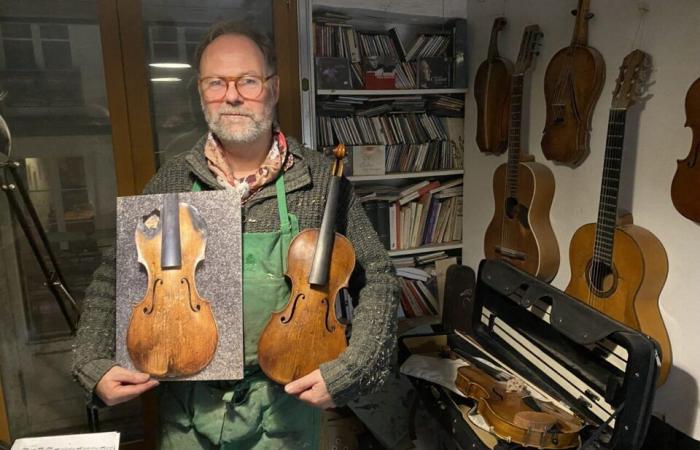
<point x="93" y="349"/>
<point x="366" y="363"/>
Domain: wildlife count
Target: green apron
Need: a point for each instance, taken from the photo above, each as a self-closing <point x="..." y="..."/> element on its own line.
<point x="253" y="413"/>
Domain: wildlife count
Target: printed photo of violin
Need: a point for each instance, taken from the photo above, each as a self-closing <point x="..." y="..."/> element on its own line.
<point x="172" y="331"/>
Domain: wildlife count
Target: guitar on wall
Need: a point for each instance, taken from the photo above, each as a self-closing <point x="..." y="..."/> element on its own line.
<point x="619" y="268"/>
<point x="520" y="232"/>
<point x="572" y="85"/>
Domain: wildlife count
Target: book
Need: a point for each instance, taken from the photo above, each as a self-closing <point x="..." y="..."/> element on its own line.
<point x="368" y="159"/>
<point x="333" y="73"/>
<point x="379" y="72"/>
<point x="434" y="73"/>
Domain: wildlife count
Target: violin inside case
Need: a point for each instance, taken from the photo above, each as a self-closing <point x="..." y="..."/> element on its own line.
<point x="603" y="371"/>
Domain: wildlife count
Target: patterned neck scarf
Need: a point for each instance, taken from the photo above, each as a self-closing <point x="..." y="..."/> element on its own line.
<point x="277" y="160"/>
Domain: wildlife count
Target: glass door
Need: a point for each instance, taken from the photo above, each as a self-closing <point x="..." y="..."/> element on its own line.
<point x="56" y="108"/>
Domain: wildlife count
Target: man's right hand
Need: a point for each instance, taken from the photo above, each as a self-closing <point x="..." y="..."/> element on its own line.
<point x="120" y="385"/>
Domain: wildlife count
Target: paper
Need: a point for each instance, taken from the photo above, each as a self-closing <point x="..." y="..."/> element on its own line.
<point x="94" y="441"/>
<point x="440" y="371"/>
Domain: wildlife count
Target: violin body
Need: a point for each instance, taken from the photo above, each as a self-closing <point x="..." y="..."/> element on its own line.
<point x="172" y="331"/>
<point x="629" y="290"/>
<point x="520" y="231"/>
<point x="685" y="189"/>
<point x="491" y="91"/>
<point x="572" y="85"/>
<point x="512" y="419"/>
<point x="306" y="333"/>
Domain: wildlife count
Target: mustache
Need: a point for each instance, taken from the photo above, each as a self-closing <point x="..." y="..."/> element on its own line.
<point x="231" y="111"/>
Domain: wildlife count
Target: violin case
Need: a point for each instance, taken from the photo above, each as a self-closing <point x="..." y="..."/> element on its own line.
<point x="602" y="370"/>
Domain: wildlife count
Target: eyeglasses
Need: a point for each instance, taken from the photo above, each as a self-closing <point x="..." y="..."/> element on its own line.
<point x="250" y="87"/>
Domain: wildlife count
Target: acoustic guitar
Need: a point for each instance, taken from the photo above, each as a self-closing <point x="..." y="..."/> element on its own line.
<point x="520" y="232"/>
<point x="619" y="269"/>
<point x="491" y="89"/>
<point x="572" y="85"/>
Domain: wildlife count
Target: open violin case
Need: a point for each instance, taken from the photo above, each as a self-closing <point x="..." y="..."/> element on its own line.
<point x="603" y="371"/>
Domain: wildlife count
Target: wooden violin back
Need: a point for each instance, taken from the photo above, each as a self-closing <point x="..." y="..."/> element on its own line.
<point x="685" y="189"/>
<point x="572" y="85"/>
<point x="491" y="91"/>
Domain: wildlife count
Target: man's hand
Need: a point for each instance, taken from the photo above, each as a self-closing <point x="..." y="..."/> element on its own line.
<point x="311" y="389"/>
<point x="120" y="385"/>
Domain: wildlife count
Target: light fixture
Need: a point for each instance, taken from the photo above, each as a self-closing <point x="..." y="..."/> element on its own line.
<point x="167" y="65"/>
<point x="165" y="79"/>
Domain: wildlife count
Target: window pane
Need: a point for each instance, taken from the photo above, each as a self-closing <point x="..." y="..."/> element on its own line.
<point x="53" y="31"/>
<point x="57" y="54"/>
<point x="19" y="54"/>
<point x="16" y="30"/>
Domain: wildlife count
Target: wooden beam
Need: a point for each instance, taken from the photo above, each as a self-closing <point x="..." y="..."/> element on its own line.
<point x="116" y="96"/>
<point x="4" y="421"/>
<point x="284" y="15"/>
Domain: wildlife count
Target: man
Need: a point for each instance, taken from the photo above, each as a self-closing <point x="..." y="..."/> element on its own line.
<point x="239" y="88"/>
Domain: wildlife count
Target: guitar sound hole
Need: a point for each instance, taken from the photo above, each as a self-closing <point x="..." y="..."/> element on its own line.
<point x="601" y="279"/>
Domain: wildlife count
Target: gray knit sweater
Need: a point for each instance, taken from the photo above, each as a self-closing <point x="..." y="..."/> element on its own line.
<point x="365" y="364"/>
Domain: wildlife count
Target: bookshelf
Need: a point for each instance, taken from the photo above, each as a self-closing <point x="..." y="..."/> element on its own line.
<point x="398" y="136"/>
<point x="389" y="92"/>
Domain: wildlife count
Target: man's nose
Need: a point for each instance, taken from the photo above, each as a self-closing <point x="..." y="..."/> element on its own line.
<point x="232" y="95"/>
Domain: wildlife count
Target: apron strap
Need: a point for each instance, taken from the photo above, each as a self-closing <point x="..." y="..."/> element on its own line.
<point x="285" y="224"/>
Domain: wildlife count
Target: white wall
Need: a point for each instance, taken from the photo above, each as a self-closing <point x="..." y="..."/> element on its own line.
<point x="656" y="138"/>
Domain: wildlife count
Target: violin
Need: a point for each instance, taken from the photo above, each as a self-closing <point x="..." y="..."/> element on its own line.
<point x="306" y="332"/>
<point x="491" y="91"/>
<point x="572" y="85"/>
<point x="172" y="331"/>
<point x="685" y="189"/>
<point x="513" y="415"/>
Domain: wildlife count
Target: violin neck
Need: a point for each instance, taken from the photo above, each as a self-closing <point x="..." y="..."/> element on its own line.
<point x="324" y="246"/>
<point x="170" y="255"/>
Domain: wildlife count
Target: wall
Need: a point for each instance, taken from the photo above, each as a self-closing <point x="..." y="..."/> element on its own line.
<point x="655" y="139"/>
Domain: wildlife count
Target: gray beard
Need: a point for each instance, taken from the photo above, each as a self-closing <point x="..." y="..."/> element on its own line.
<point x="238" y="134"/>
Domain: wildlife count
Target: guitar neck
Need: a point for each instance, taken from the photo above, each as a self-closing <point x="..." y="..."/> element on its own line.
<point x="610" y="185"/>
<point x="516" y="106"/>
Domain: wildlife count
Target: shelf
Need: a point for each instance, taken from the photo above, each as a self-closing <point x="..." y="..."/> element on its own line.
<point x="405" y="175"/>
<point x="426" y="249"/>
<point x="405" y="324"/>
<point x="390" y="92"/>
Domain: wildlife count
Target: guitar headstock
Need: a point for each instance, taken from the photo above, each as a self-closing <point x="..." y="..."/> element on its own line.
<point x="528" y="49"/>
<point x="633" y="79"/>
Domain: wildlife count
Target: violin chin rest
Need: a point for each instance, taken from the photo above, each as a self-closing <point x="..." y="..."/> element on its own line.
<point x="535" y="421"/>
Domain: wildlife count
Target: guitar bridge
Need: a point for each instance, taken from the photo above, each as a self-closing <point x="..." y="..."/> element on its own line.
<point x="510" y="253"/>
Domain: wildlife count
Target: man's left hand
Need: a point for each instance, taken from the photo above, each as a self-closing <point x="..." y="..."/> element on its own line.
<point x="311" y="389"/>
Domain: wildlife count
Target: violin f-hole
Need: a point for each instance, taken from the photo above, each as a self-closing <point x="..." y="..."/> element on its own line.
<point x="286" y="320"/>
<point x="147" y="310"/>
<point x="193" y="307"/>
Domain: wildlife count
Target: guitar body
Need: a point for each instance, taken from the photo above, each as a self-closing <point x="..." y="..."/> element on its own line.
<point x="685" y="189"/>
<point x="520" y="231"/>
<point x="629" y="293"/>
<point x="491" y="91"/>
<point x="572" y="85"/>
